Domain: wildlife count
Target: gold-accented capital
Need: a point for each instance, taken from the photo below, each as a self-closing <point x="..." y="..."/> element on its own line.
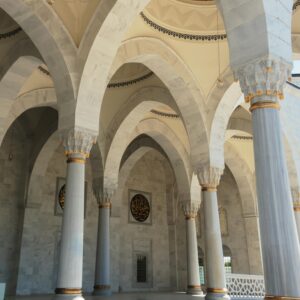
<point x="264" y="104"/>
<point x="68" y="291"/>
<point x="296" y="206"/>
<point x="263" y="77"/>
<point x="78" y="142"/>
<point x="105" y="205"/>
<point x="190" y="208"/>
<point x="209" y="178"/>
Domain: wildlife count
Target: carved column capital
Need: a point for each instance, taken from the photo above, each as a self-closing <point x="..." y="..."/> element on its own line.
<point x="78" y="142"/>
<point x="209" y="177"/>
<point x="104" y="197"/>
<point x="263" y="77"/>
<point x="190" y="209"/>
<point x="296" y="199"/>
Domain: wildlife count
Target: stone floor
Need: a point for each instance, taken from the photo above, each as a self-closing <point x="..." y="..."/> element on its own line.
<point x="122" y="296"/>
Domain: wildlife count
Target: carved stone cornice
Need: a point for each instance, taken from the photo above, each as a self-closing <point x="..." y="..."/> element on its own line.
<point x="209" y="177"/>
<point x="264" y="77"/>
<point x="78" y="142"/>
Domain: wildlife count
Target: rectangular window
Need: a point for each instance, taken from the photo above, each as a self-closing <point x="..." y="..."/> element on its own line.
<point x="201" y="270"/>
<point x="227" y="264"/>
<point x="141" y="268"/>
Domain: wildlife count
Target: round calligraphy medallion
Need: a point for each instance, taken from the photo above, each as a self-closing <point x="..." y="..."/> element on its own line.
<point x="140" y="207"/>
<point x="61" y="196"/>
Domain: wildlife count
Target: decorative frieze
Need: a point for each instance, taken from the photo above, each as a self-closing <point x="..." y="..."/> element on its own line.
<point x="184" y="36"/>
<point x="78" y="142"/>
<point x="263" y="77"/>
<point x="10" y="33"/>
<point x="209" y="178"/>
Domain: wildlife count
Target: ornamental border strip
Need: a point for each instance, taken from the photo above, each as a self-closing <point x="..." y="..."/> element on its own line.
<point x="242" y="137"/>
<point x="184" y="36"/>
<point x="10" y="33"/>
<point x="129" y="82"/>
<point x="296" y="4"/>
<point x="44" y="71"/>
<point x="164" y="114"/>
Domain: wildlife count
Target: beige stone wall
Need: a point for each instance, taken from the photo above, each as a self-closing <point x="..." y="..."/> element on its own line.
<point x="12" y="187"/>
<point x="148" y="175"/>
<point x="229" y="200"/>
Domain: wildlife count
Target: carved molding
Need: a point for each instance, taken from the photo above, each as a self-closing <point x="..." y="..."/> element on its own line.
<point x="165" y="114"/>
<point x="78" y="142"/>
<point x="190" y="208"/>
<point x="209" y="177"/>
<point x="263" y="77"/>
<point x="296" y="4"/>
<point x="10" y="33"/>
<point x="129" y="82"/>
<point x="184" y="36"/>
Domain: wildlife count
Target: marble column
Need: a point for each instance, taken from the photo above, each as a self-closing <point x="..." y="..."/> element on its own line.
<point x="190" y="210"/>
<point x="69" y="283"/>
<point x="102" y="272"/>
<point x="297" y="217"/>
<point x="209" y="179"/>
<point x="262" y="82"/>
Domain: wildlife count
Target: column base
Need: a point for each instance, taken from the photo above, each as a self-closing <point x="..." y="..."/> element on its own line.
<point x="102" y="290"/>
<point x="216" y="294"/>
<point x="68" y="294"/>
<point x="194" y="290"/>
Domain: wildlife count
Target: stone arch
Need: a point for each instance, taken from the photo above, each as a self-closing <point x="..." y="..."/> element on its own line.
<point x="121" y="139"/>
<point x="160" y="133"/>
<point x="170" y="68"/>
<point x="21" y="49"/>
<point x="150" y="94"/>
<point x="36" y="98"/>
<point x="58" y="50"/>
<point x="244" y="179"/>
<point x="246" y="42"/>
<point x="101" y="41"/>
<point x="230" y="100"/>
<point x="174" y="150"/>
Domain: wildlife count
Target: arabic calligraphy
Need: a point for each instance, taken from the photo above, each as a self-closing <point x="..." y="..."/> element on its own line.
<point x="140" y="208"/>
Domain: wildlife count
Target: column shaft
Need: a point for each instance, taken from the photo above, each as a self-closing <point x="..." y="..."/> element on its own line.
<point x="102" y="272"/>
<point x="71" y="253"/>
<point x="215" y="272"/>
<point x="194" y="286"/>
<point x="279" y="241"/>
<point x="297" y="218"/>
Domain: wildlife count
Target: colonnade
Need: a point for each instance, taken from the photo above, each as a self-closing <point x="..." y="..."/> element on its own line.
<point x="262" y="83"/>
